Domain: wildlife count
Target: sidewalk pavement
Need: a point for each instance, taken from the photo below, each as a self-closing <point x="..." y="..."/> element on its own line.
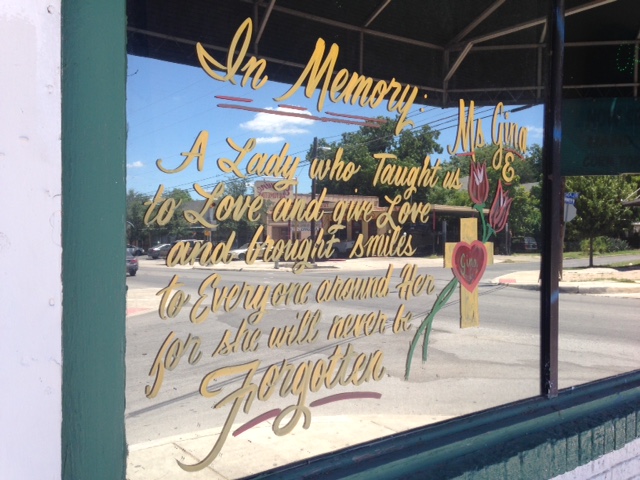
<point x="586" y="281"/>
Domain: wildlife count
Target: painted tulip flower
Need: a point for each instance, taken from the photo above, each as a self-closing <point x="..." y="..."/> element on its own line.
<point x="499" y="213"/>
<point x="478" y="183"/>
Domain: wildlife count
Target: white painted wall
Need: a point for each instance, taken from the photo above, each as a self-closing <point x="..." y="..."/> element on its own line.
<point x="30" y="243"/>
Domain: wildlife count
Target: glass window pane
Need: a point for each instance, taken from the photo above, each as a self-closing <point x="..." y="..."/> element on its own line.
<point x="335" y="230"/>
<point x="599" y="331"/>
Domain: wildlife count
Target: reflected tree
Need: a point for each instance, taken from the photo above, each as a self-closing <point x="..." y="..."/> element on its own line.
<point x="599" y="208"/>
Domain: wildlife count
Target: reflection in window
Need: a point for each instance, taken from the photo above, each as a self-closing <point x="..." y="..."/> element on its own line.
<point x="380" y="253"/>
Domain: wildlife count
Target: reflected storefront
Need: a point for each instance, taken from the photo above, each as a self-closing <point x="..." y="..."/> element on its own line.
<point x="377" y="161"/>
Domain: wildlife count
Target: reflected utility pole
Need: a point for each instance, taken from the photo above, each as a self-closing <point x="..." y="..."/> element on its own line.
<point x="314" y="155"/>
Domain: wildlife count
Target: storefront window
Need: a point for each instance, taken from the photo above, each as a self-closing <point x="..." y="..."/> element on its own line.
<point x="337" y="206"/>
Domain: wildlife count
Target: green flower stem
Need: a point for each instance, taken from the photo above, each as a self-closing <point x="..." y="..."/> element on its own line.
<point x="425" y="326"/>
<point x="480" y="209"/>
<point x="443" y="298"/>
<point x="445" y="294"/>
<point x="487" y="230"/>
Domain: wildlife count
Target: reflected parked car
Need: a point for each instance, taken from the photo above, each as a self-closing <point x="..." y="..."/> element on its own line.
<point x="137" y="251"/>
<point x="159" y="251"/>
<point x="524" y="245"/>
<point x="132" y="263"/>
<point x="190" y="243"/>
<point x="241" y="252"/>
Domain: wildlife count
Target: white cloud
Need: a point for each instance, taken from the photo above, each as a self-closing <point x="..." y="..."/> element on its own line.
<point x="273" y="124"/>
<point x="535" y="132"/>
<point x="275" y="139"/>
<point x="137" y="164"/>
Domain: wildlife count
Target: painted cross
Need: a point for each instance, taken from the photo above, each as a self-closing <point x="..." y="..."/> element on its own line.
<point x="468" y="260"/>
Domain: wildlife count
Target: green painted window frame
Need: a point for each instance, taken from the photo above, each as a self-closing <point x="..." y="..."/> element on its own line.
<point x="536" y="438"/>
<point x="93" y="238"/>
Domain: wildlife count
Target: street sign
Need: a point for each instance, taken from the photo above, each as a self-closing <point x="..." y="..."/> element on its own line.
<point x="569" y="212"/>
<point x="570" y="198"/>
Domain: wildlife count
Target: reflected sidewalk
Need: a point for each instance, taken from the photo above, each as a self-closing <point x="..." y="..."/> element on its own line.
<point x="588" y="281"/>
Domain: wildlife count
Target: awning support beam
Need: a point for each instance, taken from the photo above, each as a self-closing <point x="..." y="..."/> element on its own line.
<point x="481" y="18"/>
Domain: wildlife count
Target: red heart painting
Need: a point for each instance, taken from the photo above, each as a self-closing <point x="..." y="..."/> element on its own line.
<point x="469" y="263"/>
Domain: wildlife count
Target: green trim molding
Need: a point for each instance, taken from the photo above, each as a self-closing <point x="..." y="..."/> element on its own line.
<point x="93" y="236"/>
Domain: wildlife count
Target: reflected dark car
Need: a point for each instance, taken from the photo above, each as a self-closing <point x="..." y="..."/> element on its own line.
<point x="132" y="263"/>
<point x="191" y="243"/>
<point x="524" y="245"/>
<point x="159" y="251"/>
<point x="137" y="251"/>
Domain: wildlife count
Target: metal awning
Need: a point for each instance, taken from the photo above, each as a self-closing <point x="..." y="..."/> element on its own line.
<point x="485" y="50"/>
